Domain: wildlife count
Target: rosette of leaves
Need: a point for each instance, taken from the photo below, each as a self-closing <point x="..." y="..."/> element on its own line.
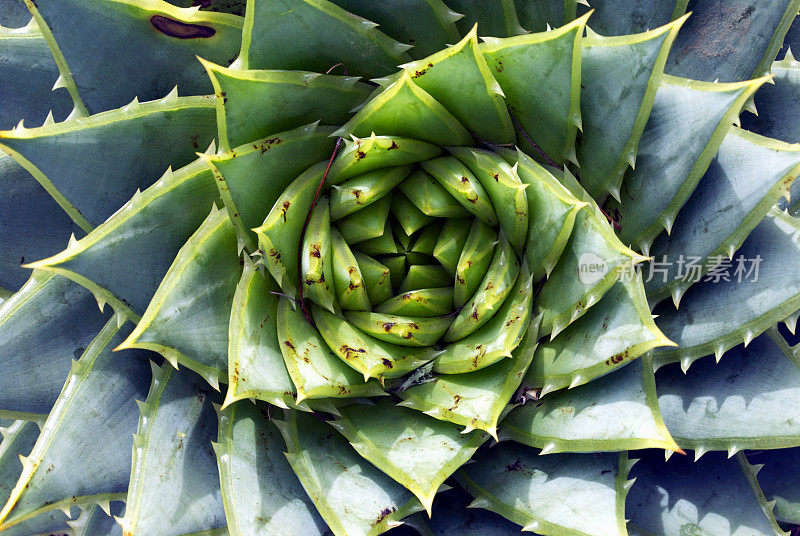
<point x="399" y="267"/>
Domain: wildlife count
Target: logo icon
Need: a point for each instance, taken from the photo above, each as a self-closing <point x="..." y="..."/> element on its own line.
<point x="591" y="268"/>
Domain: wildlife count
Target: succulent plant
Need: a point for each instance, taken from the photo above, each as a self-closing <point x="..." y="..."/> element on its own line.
<point x="394" y="270"/>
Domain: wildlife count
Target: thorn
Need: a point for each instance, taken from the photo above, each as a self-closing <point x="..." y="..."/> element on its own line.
<point x="668" y="454"/>
<point x="748" y="338"/>
<point x="677" y="294"/>
<point x="172" y="96"/>
<point x="60" y="82"/>
<point x="698" y="452"/>
<point x="733" y="449"/>
<point x="133" y="105"/>
<point x="576" y="381"/>
<point x="667" y="223"/>
<point x="49" y="119"/>
<point x="614" y="191"/>
<point x="718" y="352"/>
<point x="686" y="362"/>
<point x="550" y="447"/>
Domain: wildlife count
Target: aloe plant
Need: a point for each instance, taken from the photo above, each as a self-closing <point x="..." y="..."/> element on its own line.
<point x="406" y="258"/>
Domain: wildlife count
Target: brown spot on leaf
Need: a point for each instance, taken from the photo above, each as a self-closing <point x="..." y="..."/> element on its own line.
<point x="181" y="30"/>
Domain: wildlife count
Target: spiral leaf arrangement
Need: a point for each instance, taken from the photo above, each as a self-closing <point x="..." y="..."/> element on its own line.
<point x="400" y="267"/>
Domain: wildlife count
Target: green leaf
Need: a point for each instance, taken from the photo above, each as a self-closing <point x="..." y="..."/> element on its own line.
<point x="450" y="243"/>
<point x="616" y="412"/>
<point x="405" y="109"/>
<point x="743" y="402"/>
<point x="686" y="127"/>
<point x="402" y="330"/>
<point x="28" y="73"/>
<point x="430" y="197"/>
<point x="375" y="152"/>
<point x="259" y="489"/>
<point x="82" y="456"/>
<point x="151" y="45"/>
<point x="174" y="481"/>
<point x="459" y="182"/>
<point x="596" y="255"/>
<point x="314" y="369"/>
<point x="376" y="277"/>
<point x="540" y="75"/>
<point x="459" y="78"/>
<point x="618" y="329"/>
<point x="732" y="198"/>
<point x="425" y="276"/>
<point x="278" y="237"/>
<point x="124" y="259"/>
<point x="255" y="363"/>
<point x="363" y="190"/>
<point x="371" y="357"/>
<point x="538" y="16"/>
<point x="558" y="494"/>
<point x="368" y="223"/>
<point x="253" y="176"/>
<point x="315" y="35"/>
<point x="552" y="210"/>
<point x="432" y="29"/>
<point x="616" y="102"/>
<point x="499" y="335"/>
<point x="122" y="150"/>
<point x="710" y="496"/>
<point x="351" y="495"/>
<point x="255" y="104"/>
<point x="492" y="18"/>
<point x="476" y="399"/>
<point x="422" y="302"/>
<point x="496" y="285"/>
<point x="187" y="320"/>
<point x="415" y="450"/>
<point x="746" y="37"/>
<point x="23" y="199"/>
<point x="348" y="282"/>
<point x="45" y="325"/>
<point x="316" y="268"/>
<point x="619" y="17"/>
<point x="716" y="316"/>
<point x="408" y="216"/>
<point x="505" y="189"/>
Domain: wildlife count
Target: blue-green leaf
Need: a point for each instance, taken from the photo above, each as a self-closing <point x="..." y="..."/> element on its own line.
<point x="43" y="327"/>
<point x="174" y="481"/>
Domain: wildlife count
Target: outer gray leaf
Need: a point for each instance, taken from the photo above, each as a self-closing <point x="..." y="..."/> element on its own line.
<point x="28" y="72"/>
<point x="152" y="46"/>
<point x="18" y="438"/>
<point x="780" y="480"/>
<point x="622" y="17"/>
<point x="710" y="497"/>
<point x="124" y="259"/>
<point x="558" y="495"/>
<point x="122" y="150"/>
<point x="748" y="400"/>
<point x="174" y="482"/>
<point x="43" y="328"/>
<point x="13" y="13"/>
<point x="714" y="317"/>
<point x="261" y="492"/>
<point x="82" y="456"/>
<point x="730" y="39"/>
<point x="684" y="131"/>
<point x="748" y="175"/>
<point x="32" y="225"/>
